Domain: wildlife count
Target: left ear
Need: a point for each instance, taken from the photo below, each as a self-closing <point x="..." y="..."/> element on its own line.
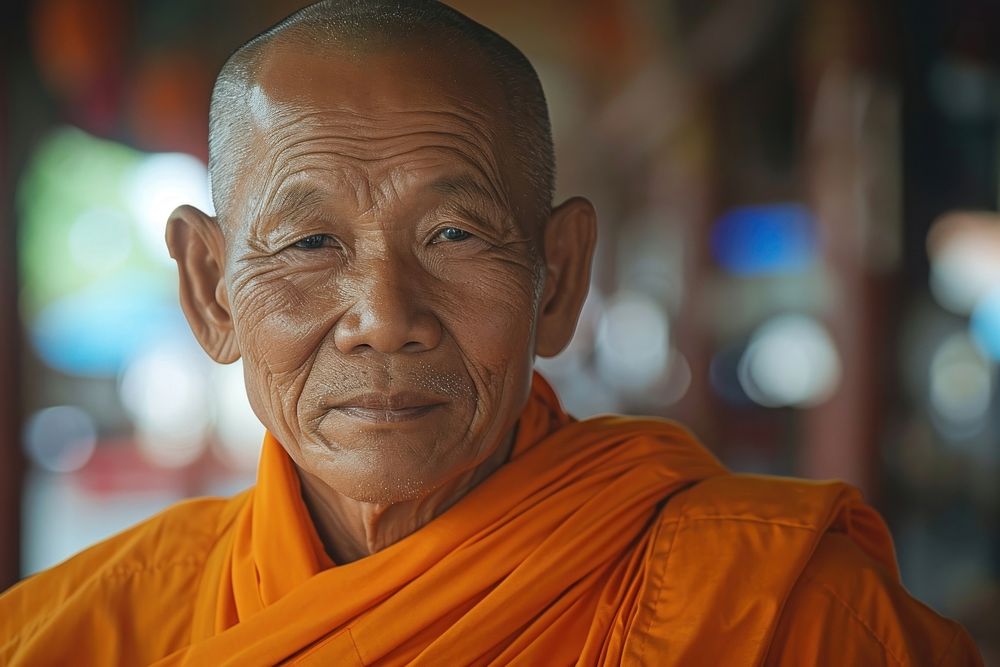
<point x="569" y="239"/>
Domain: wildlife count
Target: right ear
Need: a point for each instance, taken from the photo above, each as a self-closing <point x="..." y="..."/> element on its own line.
<point x="196" y="243"/>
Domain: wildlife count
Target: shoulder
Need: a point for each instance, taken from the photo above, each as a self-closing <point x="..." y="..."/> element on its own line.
<point x="725" y="553"/>
<point x="799" y="502"/>
<point x="847" y="608"/>
<point x="770" y="563"/>
<point x="180" y="534"/>
<point x="165" y="553"/>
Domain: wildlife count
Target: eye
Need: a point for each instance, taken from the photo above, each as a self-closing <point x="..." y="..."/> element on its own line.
<point x="314" y="242"/>
<point x="451" y="234"/>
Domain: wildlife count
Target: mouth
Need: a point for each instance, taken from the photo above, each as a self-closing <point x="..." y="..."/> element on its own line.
<point x="392" y="408"/>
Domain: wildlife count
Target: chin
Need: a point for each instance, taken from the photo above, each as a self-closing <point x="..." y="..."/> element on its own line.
<point x="388" y="470"/>
<point x="379" y="488"/>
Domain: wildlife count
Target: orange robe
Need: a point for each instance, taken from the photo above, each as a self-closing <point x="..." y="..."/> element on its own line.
<point x="601" y="542"/>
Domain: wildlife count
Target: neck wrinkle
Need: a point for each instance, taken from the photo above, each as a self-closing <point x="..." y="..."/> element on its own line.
<point x="350" y="529"/>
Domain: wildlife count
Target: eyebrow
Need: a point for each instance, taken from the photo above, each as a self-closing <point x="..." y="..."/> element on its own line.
<point x="465" y="185"/>
<point x="474" y="199"/>
<point x="295" y="197"/>
<point x="294" y="203"/>
<point x="299" y="202"/>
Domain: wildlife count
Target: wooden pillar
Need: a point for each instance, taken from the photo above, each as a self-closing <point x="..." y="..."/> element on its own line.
<point x="853" y="185"/>
<point x="12" y="463"/>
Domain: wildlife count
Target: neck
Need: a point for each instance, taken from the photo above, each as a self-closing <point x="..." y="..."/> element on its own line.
<point x="351" y="529"/>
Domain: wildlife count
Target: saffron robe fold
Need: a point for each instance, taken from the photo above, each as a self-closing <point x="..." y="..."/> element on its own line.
<point x="601" y="542"/>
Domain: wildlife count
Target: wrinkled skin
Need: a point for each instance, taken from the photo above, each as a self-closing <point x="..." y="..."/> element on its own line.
<point x="382" y="274"/>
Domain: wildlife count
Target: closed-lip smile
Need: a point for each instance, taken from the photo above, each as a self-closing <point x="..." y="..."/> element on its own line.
<point x="388" y="407"/>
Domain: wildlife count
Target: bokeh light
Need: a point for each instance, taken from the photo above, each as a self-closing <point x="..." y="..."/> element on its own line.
<point x="633" y="342"/>
<point x="93" y="297"/>
<point x="71" y="211"/>
<point x="60" y="439"/>
<point x="100" y="239"/>
<point x="791" y="360"/>
<point x="960" y="387"/>
<point x="165" y="390"/>
<point x="756" y="240"/>
<point x="238" y="431"/>
<point x="985" y="324"/>
<point x="963" y="273"/>
<point x="724" y="376"/>
<point x="96" y="331"/>
<point x="964" y="250"/>
<point x="160" y="183"/>
<point x="677" y="383"/>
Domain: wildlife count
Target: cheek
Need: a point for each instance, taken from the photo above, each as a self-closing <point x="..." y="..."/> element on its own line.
<point x="493" y="322"/>
<point x="495" y="332"/>
<point x="280" y="325"/>
<point x="282" y="322"/>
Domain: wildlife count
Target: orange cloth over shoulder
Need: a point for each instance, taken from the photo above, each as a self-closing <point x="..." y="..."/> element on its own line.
<point x="601" y="542"/>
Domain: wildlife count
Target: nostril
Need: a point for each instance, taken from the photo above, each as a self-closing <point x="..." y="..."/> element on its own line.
<point x="392" y="327"/>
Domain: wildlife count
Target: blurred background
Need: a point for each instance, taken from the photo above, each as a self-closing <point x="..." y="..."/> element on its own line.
<point x="799" y="255"/>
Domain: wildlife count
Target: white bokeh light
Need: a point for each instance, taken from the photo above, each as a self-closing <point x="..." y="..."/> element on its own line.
<point x="963" y="272"/>
<point x="161" y="183"/>
<point x="239" y="432"/>
<point x="166" y="392"/>
<point x="791" y="360"/>
<point x="633" y="342"/>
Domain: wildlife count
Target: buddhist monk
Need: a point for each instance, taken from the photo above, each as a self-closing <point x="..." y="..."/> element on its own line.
<point x="386" y="259"/>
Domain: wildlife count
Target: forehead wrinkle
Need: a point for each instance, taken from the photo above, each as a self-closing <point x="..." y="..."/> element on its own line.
<point x="286" y="162"/>
<point x="358" y="135"/>
<point x="287" y="112"/>
<point x="350" y="143"/>
<point x="348" y="123"/>
<point x="466" y="190"/>
<point x="466" y="184"/>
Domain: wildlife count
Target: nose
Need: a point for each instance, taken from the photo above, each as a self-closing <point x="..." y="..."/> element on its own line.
<point x="389" y="314"/>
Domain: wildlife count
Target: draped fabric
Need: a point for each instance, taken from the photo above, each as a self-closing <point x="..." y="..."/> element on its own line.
<point x="600" y="542"/>
<point x="540" y="562"/>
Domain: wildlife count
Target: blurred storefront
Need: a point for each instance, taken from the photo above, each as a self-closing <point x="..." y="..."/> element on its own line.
<point x="799" y="254"/>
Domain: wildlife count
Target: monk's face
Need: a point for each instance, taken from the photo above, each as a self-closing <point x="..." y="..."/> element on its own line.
<point x="382" y="269"/>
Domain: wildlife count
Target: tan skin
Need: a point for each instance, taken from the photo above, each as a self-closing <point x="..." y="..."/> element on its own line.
<point x="381" y="273"/>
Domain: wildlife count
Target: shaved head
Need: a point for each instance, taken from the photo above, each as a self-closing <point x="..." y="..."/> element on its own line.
<point x="382" y="174"/>
<point x="359" y="28"/>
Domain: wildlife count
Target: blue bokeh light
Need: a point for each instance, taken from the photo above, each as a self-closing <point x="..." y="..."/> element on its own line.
<point x="985" y="325"/>
<point x="96" y="331"/>
<point x="765" y="239"/>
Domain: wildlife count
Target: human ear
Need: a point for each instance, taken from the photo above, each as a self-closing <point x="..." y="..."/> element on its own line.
<point x="197" y="245"/>
<point x="569" y="239"/>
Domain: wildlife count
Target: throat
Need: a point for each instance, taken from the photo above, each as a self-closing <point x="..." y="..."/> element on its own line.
<point x="352" y="529"/>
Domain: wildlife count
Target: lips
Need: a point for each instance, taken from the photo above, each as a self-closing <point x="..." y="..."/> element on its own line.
<point x="388" y="407"/>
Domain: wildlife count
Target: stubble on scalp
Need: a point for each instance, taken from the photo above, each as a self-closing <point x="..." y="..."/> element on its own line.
<point x="360" y="28"/>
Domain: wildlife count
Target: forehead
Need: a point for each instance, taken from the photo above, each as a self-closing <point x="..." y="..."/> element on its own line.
<point x="365" y="79"/>
<point x="397" y="114"/>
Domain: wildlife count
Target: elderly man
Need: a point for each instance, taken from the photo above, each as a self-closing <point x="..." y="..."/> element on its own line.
<point x="387" y="262"/>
